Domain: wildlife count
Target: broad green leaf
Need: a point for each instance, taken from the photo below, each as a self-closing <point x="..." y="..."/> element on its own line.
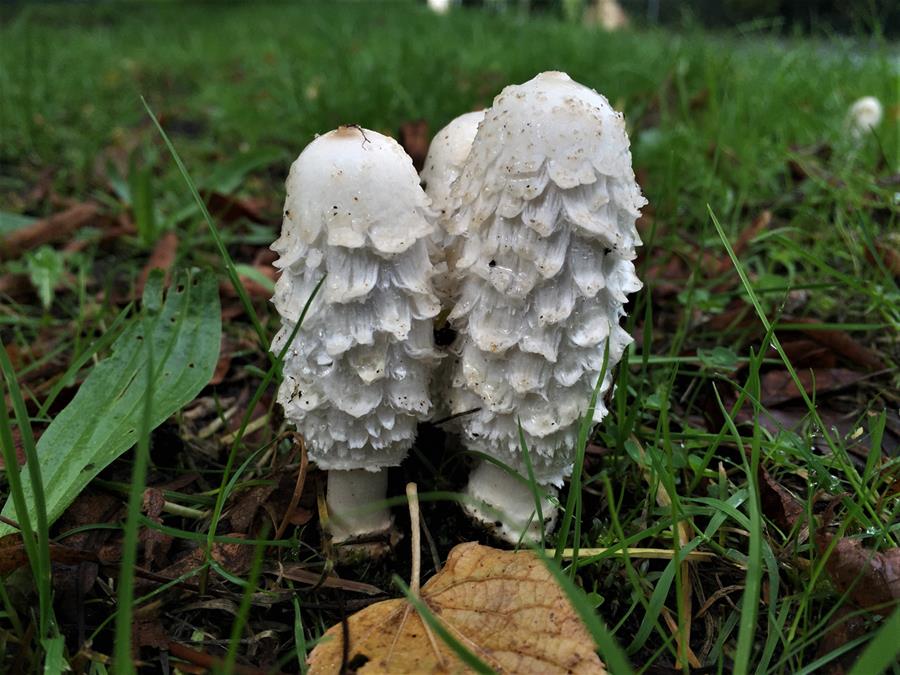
<point x="102" y="421"/>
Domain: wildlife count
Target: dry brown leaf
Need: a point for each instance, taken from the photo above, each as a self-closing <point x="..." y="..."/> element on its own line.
<point x="778" y="385"/>
<point x="58" y="227"/>
<point x="230" y="208"/>
<point x="505" y="607"/>
<point x="871" y="577"/>
<point x="779" y="505"/>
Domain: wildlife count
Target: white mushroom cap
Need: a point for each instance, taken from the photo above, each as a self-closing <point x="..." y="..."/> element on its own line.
<point x="552" y="129"/>
<point x="865" y="114"/>
<point x="358" y="186"/>
<point x="356" y="377"/>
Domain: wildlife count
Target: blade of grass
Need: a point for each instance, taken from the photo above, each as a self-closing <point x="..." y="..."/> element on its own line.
<point x="240" y="619"/>
<point x="251" y="406"/>
<point x="125" y="591"/>
<point x="584" y="430"/>
<point x="37" y="538"/>
<point x="883" y="650"/>
<point x="753" y="578"/>
<point x="299" y="637"/>
<point x="230" y="268"/>
<point x="532" y="483"/>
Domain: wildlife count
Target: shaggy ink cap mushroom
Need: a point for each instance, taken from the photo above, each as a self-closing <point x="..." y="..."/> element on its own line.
<point x="356" y="378"/>
<point x="548" y="201"/>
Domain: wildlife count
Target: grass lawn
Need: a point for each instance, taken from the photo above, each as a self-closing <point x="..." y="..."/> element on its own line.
<point x="755" y="418"/>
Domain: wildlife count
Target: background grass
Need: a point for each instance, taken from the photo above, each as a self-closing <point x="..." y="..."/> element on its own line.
<point x="738" y="122"/>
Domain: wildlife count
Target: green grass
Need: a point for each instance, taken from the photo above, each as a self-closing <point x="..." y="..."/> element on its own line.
<point x="721" y="124"/>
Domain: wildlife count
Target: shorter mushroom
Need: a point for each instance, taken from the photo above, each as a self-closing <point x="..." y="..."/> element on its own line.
<point x="356" y="377"/>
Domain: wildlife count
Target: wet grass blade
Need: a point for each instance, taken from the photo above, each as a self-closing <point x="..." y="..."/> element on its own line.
<point x="230" y="268"/>
<point x="883" y="650"/>
<point x="31" y="504"/>
<point x="573" y="501"/>
<point x="125" y="593"/>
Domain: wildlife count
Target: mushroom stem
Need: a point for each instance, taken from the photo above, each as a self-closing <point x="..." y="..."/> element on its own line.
<point x="505" y="503"/>
<point x="355" y="504"/>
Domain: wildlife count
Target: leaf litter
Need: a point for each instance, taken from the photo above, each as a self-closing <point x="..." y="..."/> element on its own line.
<point x="505" y="607"/>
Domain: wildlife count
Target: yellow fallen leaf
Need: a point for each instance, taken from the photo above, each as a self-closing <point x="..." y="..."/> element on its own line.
<point x="505" y="607"/>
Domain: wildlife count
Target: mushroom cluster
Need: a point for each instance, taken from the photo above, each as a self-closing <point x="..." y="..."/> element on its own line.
<point x="525" y="233"/>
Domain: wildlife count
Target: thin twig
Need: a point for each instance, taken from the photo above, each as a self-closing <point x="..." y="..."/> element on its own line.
<point x="413" y="496"/>
<point x="298" y="488"/>
<point x="646" y="553"/>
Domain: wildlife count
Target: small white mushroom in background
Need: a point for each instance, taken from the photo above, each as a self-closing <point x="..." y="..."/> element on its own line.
<point x="356" y="378"/>
<point x="439" y="6"/>
<point x="446" y="155"/>
<point x="865" y="114"/>
<point x="548" y="203"/>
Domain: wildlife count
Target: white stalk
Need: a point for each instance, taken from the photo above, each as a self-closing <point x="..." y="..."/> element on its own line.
<point x="356" y="504"/>
<point x="506" y="503"/>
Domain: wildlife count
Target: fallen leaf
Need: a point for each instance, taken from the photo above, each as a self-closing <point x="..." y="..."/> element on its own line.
<point x="16" y="286"/>
<point x="872" y="577"/>
<point x="209" y="662"/>
<point x="505" y="607"/>
<point x="842" y="344"/>
<point x="253" y="287"/>
<point x="17" y="446"/>
<point x="229" y="208"/>
<point x="843" y="627"/>
<point x="156" y="543"/>
<point x="149" y="632"/>
<point x="779" y="505"/>
<point x="58" y="227"/>
<point x="13" y="555"/>
<point x="413" y="137"/>
<point x="233" y="557"/>
<point x="778" y="386"/>
<point x="890" y="256"/>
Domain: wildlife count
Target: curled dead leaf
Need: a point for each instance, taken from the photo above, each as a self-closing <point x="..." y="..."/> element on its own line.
<point x="58" y="227"/>
<point x="871" y="577"/>
<point x="779" y="505"/>
<point x="505" y="607"/>
<point x="778" y="386"/>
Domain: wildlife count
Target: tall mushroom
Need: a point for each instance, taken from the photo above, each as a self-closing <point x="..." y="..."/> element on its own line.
<point x="356" y="377"/>
<point x="548" y="203"/>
